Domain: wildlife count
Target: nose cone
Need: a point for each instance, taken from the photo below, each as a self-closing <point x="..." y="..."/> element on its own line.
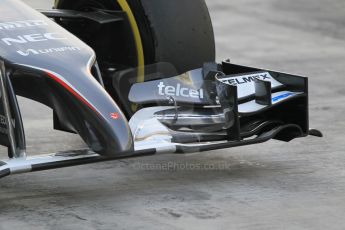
<point x="85" y="105"/>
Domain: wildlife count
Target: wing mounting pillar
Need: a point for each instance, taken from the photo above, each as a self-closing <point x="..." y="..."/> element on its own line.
<point x="11" y="124"/>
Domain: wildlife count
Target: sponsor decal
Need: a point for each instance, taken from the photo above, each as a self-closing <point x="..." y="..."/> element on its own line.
<point x="3" y="123"/>
<point x="47" y="51"/>
<point x="283" y="96"/>
<point x="246" y="79"/>
<point x="3" y="120"/>
<point x="22" y="24"/>
<point x="3" y="131"/>
<point x="114" y="116"/>
<point x="179" y="91"/>
<point x="29" y="38"/>
<point x="246" y="83"/>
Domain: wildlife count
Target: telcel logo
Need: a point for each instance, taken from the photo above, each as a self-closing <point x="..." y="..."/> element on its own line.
<point x="32" y="38"/>
<point x="179" y="91"/>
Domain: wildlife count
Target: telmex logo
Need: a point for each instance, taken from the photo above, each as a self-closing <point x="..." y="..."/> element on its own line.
<point x="245" y="79"/>
<point x="32" y="38"/>
<point x="179" y="91"/>
<point x="21" y="24"/>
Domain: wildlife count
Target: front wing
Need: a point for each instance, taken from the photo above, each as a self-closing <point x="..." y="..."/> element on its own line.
<point x="216" y="107"/>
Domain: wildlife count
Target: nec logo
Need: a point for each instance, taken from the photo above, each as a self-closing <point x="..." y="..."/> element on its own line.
<point x="23" y="39"/>
<point x="179" y="91"/>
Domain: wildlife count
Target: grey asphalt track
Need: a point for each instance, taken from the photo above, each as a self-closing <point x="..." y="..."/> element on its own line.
<point x="300" y="185"/>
